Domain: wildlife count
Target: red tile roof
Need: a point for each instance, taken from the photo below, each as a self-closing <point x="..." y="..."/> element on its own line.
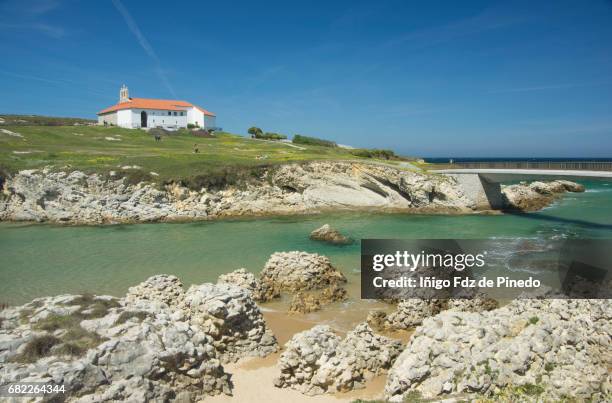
<point x="146" y="103"/>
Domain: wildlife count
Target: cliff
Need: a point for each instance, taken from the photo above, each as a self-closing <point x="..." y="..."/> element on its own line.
<point x="75" y="197"/>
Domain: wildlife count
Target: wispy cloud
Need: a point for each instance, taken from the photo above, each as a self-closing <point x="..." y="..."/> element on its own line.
<point x="50" y="30"/>
<point x="488" y="20"/>
<point x="144" y="44"/>
<point x="53" y="81"/>
<point x="27" y="15"/>
<point x="30" y="7"/>
<point x="549" y="87"/>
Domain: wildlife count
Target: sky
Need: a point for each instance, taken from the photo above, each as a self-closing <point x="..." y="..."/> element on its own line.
<point x="425" y="78"/>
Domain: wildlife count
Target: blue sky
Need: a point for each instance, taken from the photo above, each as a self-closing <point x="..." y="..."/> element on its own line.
<point x="429" y="78"/>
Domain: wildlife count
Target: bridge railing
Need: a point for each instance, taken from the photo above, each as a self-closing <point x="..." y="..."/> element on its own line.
<point x="563" y="165"/>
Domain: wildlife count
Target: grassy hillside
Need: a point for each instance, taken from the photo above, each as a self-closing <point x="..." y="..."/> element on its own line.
<point x="104" y="149"/>
<point x="38" y="120"/>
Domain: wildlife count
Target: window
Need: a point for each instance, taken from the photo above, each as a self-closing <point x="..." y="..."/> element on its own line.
<point x="169" y="113"/>
<point x="182" y="113"/>
<point x="174" y="113"/>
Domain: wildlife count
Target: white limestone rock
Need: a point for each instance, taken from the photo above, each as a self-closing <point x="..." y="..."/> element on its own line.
<point x="328" y="234"/>
<point x="299" y="271"/>
<point x="246" y="280"/>
<point x="554" y="348"/>
<point x="317" y="361"/>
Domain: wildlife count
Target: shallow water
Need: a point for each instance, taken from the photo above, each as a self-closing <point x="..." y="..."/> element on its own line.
<point x="38" y="260"/>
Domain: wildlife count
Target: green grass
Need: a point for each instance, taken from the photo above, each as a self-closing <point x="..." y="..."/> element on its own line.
<point x="533" y="320"/>
<point x="36" y="120"/>
<point x="87" y="148"/>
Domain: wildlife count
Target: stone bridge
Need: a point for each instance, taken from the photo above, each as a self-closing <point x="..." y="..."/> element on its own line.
<point x="483" y="184"/>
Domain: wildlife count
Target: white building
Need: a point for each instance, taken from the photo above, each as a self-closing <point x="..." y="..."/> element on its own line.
<point x="144" y="112"/>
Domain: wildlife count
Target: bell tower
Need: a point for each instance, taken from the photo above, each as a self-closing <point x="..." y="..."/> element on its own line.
<point x="124" y="95"/>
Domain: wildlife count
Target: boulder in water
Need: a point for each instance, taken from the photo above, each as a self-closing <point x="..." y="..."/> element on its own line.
<point x="328" y="234"/>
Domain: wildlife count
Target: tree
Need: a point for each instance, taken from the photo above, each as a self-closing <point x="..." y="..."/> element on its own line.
<point x="255" y="131"/>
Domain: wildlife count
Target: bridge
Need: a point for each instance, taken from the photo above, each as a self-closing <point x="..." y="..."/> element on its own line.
<point x="483" y="185"/>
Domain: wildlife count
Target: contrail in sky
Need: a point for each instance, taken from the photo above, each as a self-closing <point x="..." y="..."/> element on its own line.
<point x="146" y="46"/>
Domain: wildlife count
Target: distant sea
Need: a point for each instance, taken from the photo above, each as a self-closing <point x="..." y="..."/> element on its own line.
<point x="511" y="159"/>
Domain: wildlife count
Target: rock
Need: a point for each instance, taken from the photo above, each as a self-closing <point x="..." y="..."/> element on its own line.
<point x="478" y="303"/>
<point x="231" y="317"/>
<point x="572" y="186"/>
<point x="163" y="288"/>
<point x="550" y="349"/>
<point x="411" y="313"/>
<point x="306" y="302"/>
<point x="242" y="278"/>
<point x="157" y="354"/>
<point x="44" y="195"/>
<point x="317" y="361"/>
<point x="158" y="343"/>
<point x="331" y="235"/>
<point x="537" y="194"/>
<point x="377" y="320"/>
<point x="299" y="271"/>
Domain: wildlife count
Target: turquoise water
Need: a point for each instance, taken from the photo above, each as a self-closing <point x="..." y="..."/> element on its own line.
<point x="38" y="260"/>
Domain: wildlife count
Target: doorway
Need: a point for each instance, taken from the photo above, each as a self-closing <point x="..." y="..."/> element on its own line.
<point x="143" y="119"/>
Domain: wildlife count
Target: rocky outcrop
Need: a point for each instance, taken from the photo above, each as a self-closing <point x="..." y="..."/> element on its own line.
<point x="317" y="361"/>
<point x="74" y="197"/>
<point x="330" y="235"/>
<point x="541" y="350"/>
<point x="163" y="288"/>
<point x="232" y="318"/>
<point x="311" y="301"/>
<point x="537" y="194"/>
<point x="299" y="271"/>
<point x="244" y="279"/>
<point x="159" y="343"/>
<point x="410" y="313"/>
<point x="224" y="311"/>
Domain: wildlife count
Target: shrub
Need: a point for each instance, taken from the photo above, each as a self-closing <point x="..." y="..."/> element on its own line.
<point x="127" y="315"/>
<point x="134" y="176"/>
<point x="374" y="153"/>
<point x="54" y="322"/>
<point x="270" y="136"/>
<point x="37" y="348"/>
<point x="191" y="126"/>
<point x="299" y="139"/>
<point x="222" y="177"/>
<point x="94" y="307"/>
<point x="202" y="133"/>
<point x="255" y="131"/>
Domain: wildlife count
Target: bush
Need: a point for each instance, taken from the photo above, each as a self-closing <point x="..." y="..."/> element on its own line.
<point x="270" y="136"/>
<point x="255" y="131"/>
<point x="37" y="348"/>
<point x="202" y="133"/>
<point x="191" y="126"/>
<point x="134" y="176"/>
<point x="374" y="153"/>
<point x="127" y="315"/>
<point x="299" y="139"/>
<point x="222" y="177"/>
